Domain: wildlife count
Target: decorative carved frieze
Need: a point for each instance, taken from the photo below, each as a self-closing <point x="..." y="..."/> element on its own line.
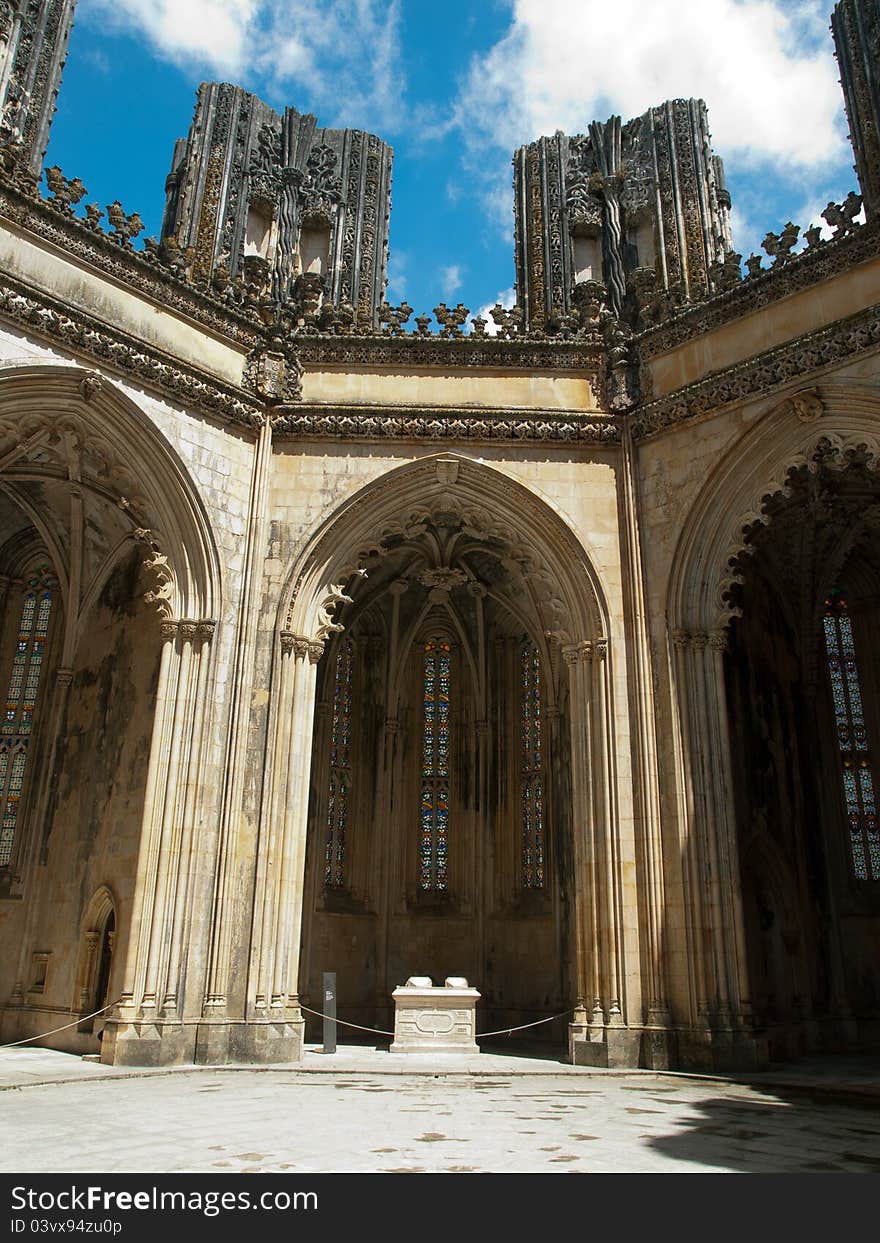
<point x="763" y="373"/>
<point x="431" y="351"/>
<point x="81" y="334"/>
<point x="139" y="270"/>
<point x="809" y="267"/>
<point x="355" y="422"/>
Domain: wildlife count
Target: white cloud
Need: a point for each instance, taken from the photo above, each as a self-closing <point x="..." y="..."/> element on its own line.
<point x="344" y="53"/>
<point x="765" y="69"/>
<point x="450" y="280"/>
<point x="210" y="32"/>
<point x="505" y="298"/>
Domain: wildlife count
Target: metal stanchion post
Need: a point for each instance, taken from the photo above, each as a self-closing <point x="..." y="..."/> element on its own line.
<point x="329" y="1008"/>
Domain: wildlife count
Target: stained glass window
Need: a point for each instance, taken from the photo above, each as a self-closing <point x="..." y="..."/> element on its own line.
<point x="852" y="740"/>
<point x="340" y="767"/>
<point x="434" y="807"/>
<point x="531" y="769"/>
<point x="21" y="700"/>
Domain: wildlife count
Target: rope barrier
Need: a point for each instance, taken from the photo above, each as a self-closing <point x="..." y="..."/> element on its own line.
<point x="504" y="1031"/>
<point x="342" y="1022"/>
<point x="76" y="1022"/>
<point x="507" y="1031"/>
<point x="376" y="1031"/>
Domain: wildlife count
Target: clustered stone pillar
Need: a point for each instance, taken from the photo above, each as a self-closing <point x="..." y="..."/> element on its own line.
<point x="274" y="1030"/>
<point x="147" y="1026"/>
<point x="720" y="1010"/>
<point x="598" y="1034"/>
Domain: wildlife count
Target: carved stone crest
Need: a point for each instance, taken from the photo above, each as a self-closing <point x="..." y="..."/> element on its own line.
<point x="272" y="375"/>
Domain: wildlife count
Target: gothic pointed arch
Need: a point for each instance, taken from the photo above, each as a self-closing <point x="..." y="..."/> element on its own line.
<point x="790" y="514"/>
<point x="819" y="426"/>
<point x="441" y="573"/>
<point x="542" y="549"/>
<point x="62" y="427"/>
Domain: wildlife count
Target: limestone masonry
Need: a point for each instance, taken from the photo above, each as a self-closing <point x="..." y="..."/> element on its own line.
<point x="541" y="652"/>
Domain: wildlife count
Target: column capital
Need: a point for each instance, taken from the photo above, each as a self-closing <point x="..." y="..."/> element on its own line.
<point x="719" y="640"/>
<point x="296" y="643"/>
<point x="188" y="629"/>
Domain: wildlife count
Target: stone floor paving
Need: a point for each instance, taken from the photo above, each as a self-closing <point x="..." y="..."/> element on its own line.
<point x="351" y="1117"/>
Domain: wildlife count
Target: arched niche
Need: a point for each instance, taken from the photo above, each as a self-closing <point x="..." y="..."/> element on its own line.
<point x="445" y="546"/>
<point x="86" y="476"/>
<point x="790" y="511"/>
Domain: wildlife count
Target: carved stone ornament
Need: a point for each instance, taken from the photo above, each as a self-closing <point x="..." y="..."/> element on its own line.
<point x="443" y="577"/>
<point x="807" y="406"/>
<point x="273" y="376"/>
<point x="445" y="425"/>
<point x="326" y="625"/>
<point x="784" y="364"/>
<point x="91" y="386"/>
<point x="159" y="573"/>
<point x="79" y="333"/>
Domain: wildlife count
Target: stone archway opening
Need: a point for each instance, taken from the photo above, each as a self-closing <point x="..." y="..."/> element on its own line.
<point x="440" y="813"/>
<point x="804" y="709"/>
<point x="447" y="559"/>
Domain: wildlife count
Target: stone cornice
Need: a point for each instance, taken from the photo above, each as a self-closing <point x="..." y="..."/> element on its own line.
<point x="809" y="267"/>
<point x="44" y="317"/>
<point x="418" y="423"/>
<point x="132" y="268"/>
<point x="796" y="360"/>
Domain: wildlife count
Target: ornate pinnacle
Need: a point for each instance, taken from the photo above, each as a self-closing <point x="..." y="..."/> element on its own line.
<point x="124" y="227"/>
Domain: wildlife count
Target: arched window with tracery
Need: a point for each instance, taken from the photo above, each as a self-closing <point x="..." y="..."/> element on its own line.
<point x="434" y="806"/>
<point x="531" y="769"/>
<point x="21" y="700"/>
<point x="852" y="739"/>
<point x="340" y="767"/>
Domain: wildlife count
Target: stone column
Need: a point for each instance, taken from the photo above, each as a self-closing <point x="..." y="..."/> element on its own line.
<point x="589" y="1005"/>
<point x="646" y="775"/>
<point x="214" y="1030"/>
<point x="146" y="1027"/>
<point x="274" y="1029"/>
<point x="604" y="1038"/>
<point x="720" y="1011"/>
<point x="89" y="952"/>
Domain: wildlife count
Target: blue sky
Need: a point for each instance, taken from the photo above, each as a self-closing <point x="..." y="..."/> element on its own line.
<point x="454" y="90"/>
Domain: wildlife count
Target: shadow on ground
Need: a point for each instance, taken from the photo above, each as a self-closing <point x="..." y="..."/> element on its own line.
<point x="784" y="1132"/>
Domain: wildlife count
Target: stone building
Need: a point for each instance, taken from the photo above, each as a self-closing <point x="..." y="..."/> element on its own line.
<point x="542" y="652"/>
